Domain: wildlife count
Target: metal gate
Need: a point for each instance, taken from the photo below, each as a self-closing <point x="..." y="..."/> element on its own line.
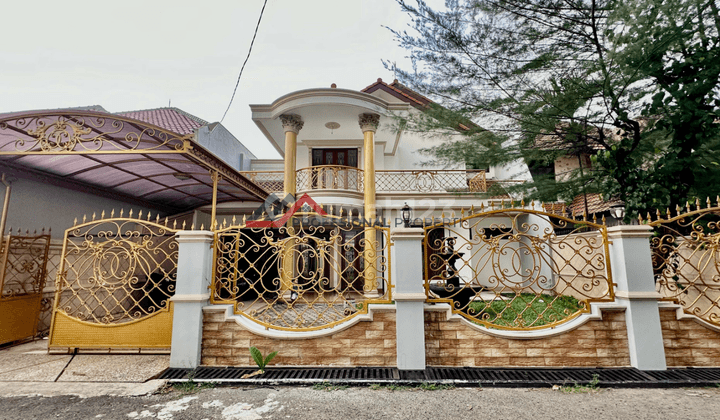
<point x="114" y="285"/>
<point x="516" y="268"/>
<point x="24" y="261"/>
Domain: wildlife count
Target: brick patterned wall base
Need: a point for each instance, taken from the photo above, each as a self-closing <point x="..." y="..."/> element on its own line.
<point x="595" y="343"/>
<point x="367" y="343"/>
<point x="688" y="343"/>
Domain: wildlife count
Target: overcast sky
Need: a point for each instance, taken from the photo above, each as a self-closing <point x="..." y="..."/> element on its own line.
<point x="130" y="54"/>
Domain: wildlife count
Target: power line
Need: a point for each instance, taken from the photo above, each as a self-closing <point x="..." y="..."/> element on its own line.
<point x="246" y="60"/>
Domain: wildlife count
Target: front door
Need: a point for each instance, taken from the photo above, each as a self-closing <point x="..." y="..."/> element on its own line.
<point x="334" y="168"/>
<point x="336" y="157"/>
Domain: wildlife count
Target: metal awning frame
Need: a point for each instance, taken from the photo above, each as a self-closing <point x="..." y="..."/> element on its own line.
<point x="96" y="134"/>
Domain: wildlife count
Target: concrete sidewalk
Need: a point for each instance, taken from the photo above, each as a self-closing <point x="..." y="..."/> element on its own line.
<point x="28" y="369"/>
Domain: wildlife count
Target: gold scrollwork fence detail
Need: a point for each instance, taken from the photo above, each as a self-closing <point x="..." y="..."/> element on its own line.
<point x="22" y="280"/>
<point x="330" y="177"/>
<point x="24" y="262"/>
<point x="117" y="270"/>
<point x="312" y="273"/>
<point x="83" y="132"/>
<point x="686" y="258"/>
<point x="517" y="268"/>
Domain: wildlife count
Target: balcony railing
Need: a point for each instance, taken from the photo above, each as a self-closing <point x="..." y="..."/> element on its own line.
<point x="333" y="177"/>
<point x="270" y="181"/>
<point x="330" y="177"/>
<point x="430" y="181"/>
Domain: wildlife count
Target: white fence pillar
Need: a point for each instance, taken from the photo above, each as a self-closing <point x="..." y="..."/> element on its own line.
<point x="633" y="273"/>
<point x="194" y="272"/>
<point x="409" y="298"/>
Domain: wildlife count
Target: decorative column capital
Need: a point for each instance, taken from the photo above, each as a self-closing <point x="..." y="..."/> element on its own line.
<point x="368" y="122"/>
<point x="291" y="122"/>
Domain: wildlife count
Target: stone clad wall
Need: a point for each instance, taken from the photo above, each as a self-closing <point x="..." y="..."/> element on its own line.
<point x="595" y="343"/>
<point x="367" y="343"/>
<point x="688" y="343"/>
<point x="447" y="343"/>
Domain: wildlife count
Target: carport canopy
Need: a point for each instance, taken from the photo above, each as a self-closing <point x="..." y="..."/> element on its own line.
<point x="119" y="157"/>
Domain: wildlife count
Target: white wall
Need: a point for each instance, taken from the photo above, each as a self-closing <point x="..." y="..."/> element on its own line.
<point x="218" y="140"/>
<point x="35" y="205"/>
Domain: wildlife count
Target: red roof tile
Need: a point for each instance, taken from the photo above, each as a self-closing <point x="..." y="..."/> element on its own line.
<point x="408" y="95"/>
<point x="399" y="91"/>
<point x="171" y="119"/>
<point x="595" y="203"/>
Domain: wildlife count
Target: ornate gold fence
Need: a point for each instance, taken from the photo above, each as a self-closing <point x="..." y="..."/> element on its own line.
<point x="314" y="272"/>
<point x="686" y="258"/>
<point x="517" y="268"/>
<point x="330" y="177"/>
<point x="114" y="284"/>
<point x="22" y="279"/>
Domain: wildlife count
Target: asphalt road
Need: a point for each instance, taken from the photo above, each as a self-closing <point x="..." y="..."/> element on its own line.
<point x="367" y="403"/>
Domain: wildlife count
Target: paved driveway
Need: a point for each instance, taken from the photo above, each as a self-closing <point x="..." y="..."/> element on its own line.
<point x="366" y="403"/>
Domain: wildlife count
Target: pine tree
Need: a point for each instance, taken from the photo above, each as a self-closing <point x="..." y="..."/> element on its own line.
<point x="633" y="84"/>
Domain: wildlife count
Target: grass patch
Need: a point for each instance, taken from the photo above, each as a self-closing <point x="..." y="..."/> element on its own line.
<point x="425" y="386"/>
<point x="191" y="387"/>
<point x="582" y="389"/>
<point x="525" y="309"/>
<point x="327" y="386"/>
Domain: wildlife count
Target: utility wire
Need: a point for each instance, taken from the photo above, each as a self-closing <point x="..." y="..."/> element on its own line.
<point x="246" y="60"/>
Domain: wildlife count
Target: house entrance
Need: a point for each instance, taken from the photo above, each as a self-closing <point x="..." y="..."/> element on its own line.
<point x="339" y="157"/>
<point x="114" y="285"/>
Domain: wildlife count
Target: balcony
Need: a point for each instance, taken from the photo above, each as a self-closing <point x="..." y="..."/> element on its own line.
<point x="270" y="181"/>
<point x="330" y="177"/>
<point x="346" y="178"/>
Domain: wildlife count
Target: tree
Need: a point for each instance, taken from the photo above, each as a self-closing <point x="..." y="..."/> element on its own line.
<point x="629" y="83"/>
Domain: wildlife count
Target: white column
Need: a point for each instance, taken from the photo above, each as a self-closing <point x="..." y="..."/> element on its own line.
<point x="194" y="274"/>
<point x="633" y="273"/>
<point x="409" y="296"/>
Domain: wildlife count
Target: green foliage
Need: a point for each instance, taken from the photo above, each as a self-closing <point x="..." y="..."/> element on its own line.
<point x="426" y="386"/>
<point x="634" y="84"/>
<point x="592" y="386"/>
<point x="542" y="311"/>
<point x="259" y="360"/>
<point x="190" y="386"/>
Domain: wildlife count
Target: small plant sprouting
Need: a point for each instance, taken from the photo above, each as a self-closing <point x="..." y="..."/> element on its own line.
<point x="190" y="386"/>
<point x="590" y="387"/>
<point x="259" y="360"/>
<point x="426" y="386"/>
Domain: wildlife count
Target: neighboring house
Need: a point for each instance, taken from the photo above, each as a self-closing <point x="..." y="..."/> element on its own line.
<point x="576" y="160"/>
